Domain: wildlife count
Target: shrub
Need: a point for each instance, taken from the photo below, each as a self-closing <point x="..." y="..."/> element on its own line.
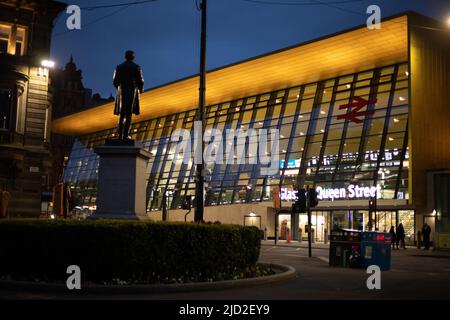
<point x="108" y="250"/>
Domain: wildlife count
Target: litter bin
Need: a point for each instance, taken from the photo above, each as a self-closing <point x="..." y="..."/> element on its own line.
<point x="376" y="249"/>
<point x="345" y="248"/>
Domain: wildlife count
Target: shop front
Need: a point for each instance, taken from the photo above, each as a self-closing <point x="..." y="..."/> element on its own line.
<point x="352" y="217"/>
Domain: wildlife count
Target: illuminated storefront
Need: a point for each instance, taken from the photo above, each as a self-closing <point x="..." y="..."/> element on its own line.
<point x="345" y="128"/>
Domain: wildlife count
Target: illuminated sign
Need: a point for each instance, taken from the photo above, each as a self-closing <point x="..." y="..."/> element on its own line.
<point x="351" y="192"/>
<point x="291" y="164"/>
<point x="354" y="114"/>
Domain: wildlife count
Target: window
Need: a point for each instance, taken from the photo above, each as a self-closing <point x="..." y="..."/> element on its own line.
<point x="12" y="40"/>
<point x="333" y="152"/>
<point x="4" y="39"/>
<point x="6" y="98"/>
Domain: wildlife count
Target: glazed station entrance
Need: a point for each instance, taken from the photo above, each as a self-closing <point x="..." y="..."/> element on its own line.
<point x="324" y="221"/>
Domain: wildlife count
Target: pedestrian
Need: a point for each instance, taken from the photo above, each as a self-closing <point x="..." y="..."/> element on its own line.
<point x="426" y="232"/>
<point x="401" y="236"/>
<point x="393" y="237"/>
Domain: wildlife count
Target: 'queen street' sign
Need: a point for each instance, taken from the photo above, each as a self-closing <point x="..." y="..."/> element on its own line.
<point x="351" y="192"/>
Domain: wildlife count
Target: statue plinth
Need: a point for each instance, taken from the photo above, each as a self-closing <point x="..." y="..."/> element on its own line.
<point x="121" y="180"/>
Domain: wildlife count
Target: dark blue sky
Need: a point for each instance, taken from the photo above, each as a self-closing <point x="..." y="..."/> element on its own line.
<point x="165" y="34"/>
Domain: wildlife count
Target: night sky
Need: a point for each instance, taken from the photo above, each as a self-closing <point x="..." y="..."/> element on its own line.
<point x="166" y="34"/>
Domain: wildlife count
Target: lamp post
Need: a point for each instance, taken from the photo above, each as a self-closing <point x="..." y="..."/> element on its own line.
<point x="199" y="172"/>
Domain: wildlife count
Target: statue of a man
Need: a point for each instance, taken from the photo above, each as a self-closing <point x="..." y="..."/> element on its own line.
<point x="129" y="82"/>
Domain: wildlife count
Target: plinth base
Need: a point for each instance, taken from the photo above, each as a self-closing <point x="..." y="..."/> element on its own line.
<point x="121" y="181"/>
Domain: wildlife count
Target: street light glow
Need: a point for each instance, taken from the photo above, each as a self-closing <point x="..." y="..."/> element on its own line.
<point x="48" y="64"/>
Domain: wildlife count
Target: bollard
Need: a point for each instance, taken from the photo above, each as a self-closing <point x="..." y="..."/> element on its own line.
<point x="300" y="235"/>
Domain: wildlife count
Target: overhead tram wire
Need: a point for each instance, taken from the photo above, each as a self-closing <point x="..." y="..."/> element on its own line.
<point x="122" y="7"/>
<point x="117" y="5"/>
<point x="333" y="5"/>
<point x="364" y="15"/>
<point x="294" y="3"/>
<point x="329" y="4"/>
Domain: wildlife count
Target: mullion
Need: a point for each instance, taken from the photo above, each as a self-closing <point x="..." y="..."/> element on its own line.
<point x="327" y="127"/>
<point x="402" y="158"/>
<point x="343" y="137"/>
<point x="218" y="167"/>
<point x="156" y="163"/>
<point x="254" y="171"/>
<point x="228" y="125"/>
<point x="375" y="83"/>
<point x="279" y="124"/>
<point x="386" y="125"/>
<point x="167" y="144"/>
<point x="184" y="166"/>
<point x="269" y="114"/>
<point x="311" y="128"/>
<point x="192" y="174"/>
<point x="253" y="176"/>
<point x="292" y="134"/>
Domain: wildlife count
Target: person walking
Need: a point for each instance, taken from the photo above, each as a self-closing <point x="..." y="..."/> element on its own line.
<point x="393" y="237"/>
<point x="426" y="232"/>
<point x="401" y="236"/>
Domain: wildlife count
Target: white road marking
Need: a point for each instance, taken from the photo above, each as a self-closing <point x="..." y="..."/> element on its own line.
<point x="324" y="259"/>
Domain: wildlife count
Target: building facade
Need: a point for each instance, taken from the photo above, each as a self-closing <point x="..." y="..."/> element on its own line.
<point x="25" y="102"/>
<point x="349" y="112"/>
<point x="69" y="96"/>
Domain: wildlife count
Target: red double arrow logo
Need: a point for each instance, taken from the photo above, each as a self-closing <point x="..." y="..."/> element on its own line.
<point x="354" y="114"/>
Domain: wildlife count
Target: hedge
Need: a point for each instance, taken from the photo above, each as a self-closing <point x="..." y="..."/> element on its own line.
<point x="131" y="251"/>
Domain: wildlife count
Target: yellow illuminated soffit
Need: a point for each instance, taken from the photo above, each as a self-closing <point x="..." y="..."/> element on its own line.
<point x="344" y="53"/>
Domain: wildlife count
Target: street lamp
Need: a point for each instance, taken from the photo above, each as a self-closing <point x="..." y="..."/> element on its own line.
<point x="48" y="64"/>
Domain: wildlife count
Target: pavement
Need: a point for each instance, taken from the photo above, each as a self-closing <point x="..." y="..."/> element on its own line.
<point x="414" y="274"/>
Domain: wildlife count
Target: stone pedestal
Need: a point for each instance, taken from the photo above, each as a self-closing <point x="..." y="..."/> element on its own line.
<point x="122" y="180"/>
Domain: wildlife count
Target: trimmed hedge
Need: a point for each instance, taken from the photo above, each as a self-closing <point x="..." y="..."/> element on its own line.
<point x="106" y="250"/>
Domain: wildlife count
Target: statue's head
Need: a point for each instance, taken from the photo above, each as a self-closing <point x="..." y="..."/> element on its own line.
<point x="129" y="55"/>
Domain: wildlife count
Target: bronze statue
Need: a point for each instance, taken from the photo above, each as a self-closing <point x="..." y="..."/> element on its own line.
<point x="129" y="82"/>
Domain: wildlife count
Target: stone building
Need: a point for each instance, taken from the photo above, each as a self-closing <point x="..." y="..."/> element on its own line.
<point x="25" y="102"/>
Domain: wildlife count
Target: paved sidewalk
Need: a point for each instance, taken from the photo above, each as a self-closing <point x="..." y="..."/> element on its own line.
<point x="410" y="250"/>
<point x="295" y="244"/>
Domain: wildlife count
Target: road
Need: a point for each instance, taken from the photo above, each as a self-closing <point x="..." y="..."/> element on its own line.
<point x="415" y="274"/>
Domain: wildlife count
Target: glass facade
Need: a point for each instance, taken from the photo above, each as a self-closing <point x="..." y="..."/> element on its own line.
<point x="321" y="142"/>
